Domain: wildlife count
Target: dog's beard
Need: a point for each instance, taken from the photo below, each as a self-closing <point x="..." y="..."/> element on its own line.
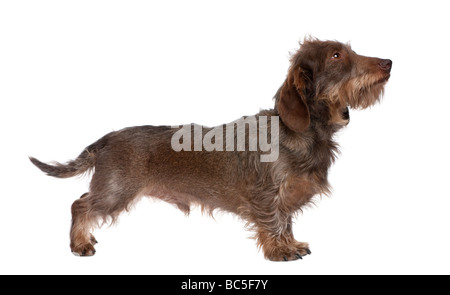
<point x="366" y="96"/>
<point x="358" y="93"/>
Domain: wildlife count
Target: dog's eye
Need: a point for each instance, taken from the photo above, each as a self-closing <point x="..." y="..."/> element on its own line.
<point x="336" y="55"/>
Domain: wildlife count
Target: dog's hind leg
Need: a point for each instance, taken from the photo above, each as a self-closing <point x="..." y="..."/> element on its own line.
<point x="83" y="221"/>
<point x="109" y="196"/>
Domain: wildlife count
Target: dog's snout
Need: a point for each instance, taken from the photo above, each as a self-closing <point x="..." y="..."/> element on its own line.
<point x="385" y="65"/>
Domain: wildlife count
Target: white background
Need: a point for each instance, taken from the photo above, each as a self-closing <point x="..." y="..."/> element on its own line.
<point x="72" y="71"/>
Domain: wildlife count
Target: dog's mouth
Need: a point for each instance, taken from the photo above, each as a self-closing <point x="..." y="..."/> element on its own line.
<point x="382" y="80"/>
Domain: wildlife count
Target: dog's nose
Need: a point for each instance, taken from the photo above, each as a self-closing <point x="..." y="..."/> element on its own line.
<point x="385" y="65"/>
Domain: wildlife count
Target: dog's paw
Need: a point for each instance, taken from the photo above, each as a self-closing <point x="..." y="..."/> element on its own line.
<point x="84" y="250"/>
<point x="289" y="252"/>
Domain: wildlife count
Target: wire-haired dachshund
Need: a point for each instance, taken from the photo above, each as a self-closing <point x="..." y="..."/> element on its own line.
<point x="224" y="167"/>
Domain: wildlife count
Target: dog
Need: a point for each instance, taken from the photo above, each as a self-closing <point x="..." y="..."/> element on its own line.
<point x="324" y="80"/>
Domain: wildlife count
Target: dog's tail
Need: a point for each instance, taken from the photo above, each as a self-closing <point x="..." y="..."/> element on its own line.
<point x="85" y="162"/>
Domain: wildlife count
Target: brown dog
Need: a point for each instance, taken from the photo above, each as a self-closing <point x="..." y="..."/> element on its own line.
<point x="324" y="79"/>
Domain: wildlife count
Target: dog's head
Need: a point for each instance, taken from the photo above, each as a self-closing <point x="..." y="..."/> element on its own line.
<point x="331" y="72"/>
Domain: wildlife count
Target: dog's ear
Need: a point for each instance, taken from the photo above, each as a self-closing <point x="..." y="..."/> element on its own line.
<point x="291" y="101"/>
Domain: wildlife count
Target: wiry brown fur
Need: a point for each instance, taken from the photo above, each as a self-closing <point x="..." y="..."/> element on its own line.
<point x="324" y="79"/>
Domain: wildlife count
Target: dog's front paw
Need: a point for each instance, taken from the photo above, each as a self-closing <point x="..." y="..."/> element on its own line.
<point x="291" y="252"/>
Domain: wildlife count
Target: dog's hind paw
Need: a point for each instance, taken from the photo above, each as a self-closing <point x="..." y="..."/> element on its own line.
<point x="84" y="250"/>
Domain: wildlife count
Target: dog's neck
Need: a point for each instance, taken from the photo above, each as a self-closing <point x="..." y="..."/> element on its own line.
<point x="317" y="139"/>
<point x="327" y="118"/>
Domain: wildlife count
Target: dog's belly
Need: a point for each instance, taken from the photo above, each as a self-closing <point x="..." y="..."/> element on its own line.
<point x="208" y="179"/>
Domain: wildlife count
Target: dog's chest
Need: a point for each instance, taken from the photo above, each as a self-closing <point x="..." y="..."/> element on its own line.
<point x="296" y="191"/>
<point x="307" y="175"/>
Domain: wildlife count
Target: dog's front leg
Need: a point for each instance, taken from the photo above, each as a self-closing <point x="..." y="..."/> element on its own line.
<point x="277" y="241"/>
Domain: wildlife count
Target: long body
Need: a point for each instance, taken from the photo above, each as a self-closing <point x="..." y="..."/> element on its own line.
<point x="325" y="79"/>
